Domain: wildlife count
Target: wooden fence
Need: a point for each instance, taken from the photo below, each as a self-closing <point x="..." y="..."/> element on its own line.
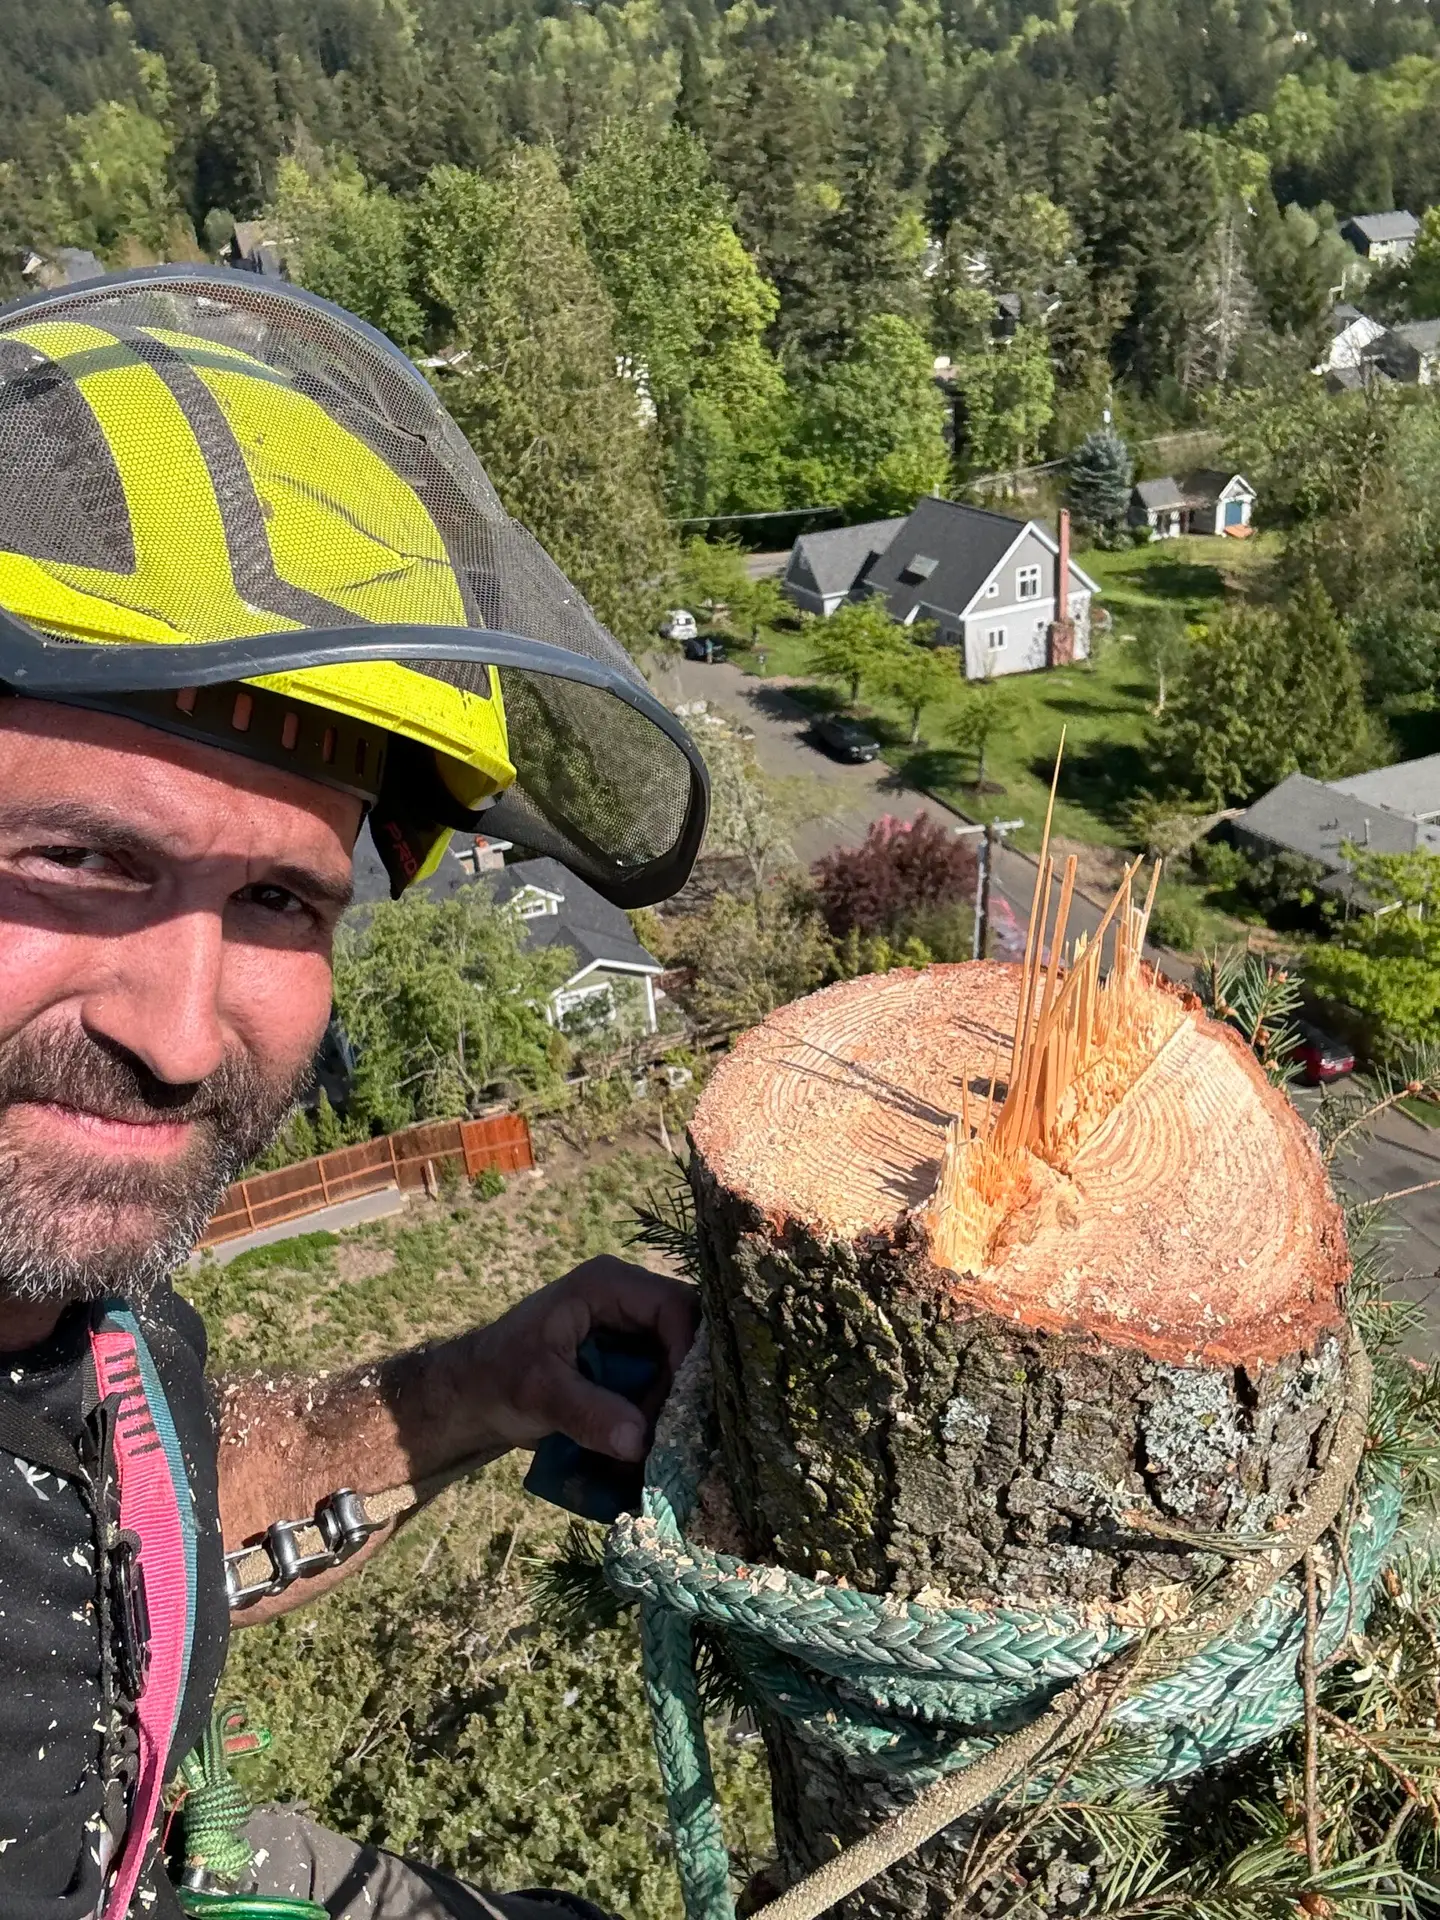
<point x="399" y="1159"/>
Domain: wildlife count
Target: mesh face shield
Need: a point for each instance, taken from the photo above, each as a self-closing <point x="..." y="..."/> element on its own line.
<point x="205" y="479"/>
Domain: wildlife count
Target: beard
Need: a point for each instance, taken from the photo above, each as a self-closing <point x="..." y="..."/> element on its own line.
<point x="78" y="1227"/>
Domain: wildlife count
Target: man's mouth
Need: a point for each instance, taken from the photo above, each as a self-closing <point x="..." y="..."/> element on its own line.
<point x="100" y="1133"/>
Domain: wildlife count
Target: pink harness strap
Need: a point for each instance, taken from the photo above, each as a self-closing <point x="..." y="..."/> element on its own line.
<point x="150" y="1508"/>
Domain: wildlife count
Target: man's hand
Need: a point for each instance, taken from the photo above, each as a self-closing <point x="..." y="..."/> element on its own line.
<point x="525" y="1378"/>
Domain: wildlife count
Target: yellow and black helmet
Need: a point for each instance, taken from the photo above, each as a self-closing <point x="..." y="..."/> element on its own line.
<point x="232" y="510"/>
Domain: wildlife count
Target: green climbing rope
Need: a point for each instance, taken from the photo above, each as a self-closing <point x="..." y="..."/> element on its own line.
<point x="212" y="1814"/>
<point x="899" y="1688"/>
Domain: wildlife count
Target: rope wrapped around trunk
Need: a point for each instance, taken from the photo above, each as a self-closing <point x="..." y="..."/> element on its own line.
<point x="953" y="1704"/>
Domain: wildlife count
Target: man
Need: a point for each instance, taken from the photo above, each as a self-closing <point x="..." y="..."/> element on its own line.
<point x="256" y="596"/>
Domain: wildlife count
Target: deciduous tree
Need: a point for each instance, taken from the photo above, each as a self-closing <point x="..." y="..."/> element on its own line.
<point x="855" y="642"/>
<point x="901" y="870"/>
<point x="348" y="241"/>
<point x="870" y="433"/>
<point x="443" y="1002"/>
<point x="1386" y="964"/>
<point x="918" y="674"/>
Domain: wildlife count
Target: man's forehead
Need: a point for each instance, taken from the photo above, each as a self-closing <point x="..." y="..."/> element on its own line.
<point x="80" y="769"/>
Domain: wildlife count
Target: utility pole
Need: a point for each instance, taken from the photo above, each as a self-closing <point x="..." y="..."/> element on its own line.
<point x="992" y="834"/>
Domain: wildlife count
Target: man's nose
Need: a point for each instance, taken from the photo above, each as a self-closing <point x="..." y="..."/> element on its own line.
<point x="162" y="1002"/>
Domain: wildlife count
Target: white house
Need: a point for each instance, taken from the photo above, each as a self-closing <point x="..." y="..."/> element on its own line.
<point x="994" y="585"/>
<point x="613" y="984"/>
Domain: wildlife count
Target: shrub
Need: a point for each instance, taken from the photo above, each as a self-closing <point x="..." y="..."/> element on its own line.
<point x="1175" y="922"/>
<point x="898" y="872"/>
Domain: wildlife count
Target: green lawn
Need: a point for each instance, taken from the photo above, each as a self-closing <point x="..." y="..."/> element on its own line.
<point x="1188" y="576"/>
<point x="430" y="1704"/>
<point x="1105" y="707"/>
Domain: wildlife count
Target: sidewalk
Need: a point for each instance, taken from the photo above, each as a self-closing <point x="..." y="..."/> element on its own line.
<point x="345" y="1213"/>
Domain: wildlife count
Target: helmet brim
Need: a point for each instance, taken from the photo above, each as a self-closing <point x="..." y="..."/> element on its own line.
<point x="45" y="668"/>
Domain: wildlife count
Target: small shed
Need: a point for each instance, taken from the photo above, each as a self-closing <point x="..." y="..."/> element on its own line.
<point x="1207" y="500"/>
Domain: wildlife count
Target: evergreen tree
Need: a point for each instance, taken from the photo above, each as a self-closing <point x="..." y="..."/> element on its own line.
<point x="771" y="145"/>
<point x="561" y="435"/>
<point x="691" y="309"/>
<point x="867" y="250"/>
<point x="1099" y="475"/>
<point x="1152" y="210"/>
<point x="1263" y="693"/>
<point x="348" y="241"/>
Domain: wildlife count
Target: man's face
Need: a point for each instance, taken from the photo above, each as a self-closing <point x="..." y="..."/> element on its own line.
<point x="166" y="918"/>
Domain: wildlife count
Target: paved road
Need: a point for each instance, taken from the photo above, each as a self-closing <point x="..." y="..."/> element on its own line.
<point x="1403" y="1154"/>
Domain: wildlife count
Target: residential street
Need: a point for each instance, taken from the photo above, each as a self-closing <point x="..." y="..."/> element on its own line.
<point x="1402" y="1154"/>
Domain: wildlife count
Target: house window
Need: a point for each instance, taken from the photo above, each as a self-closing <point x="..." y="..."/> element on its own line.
<point x="1027" y="583"/>
<point x="995" y="640"/>
<point x="992" y="592"/>
<point x="582" y="1009"/>
<point x="536" y="906"/>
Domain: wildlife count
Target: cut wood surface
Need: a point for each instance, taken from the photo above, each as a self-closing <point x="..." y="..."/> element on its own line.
<point x="1196" y="1224"/>
<point x="1153" y="1333"/>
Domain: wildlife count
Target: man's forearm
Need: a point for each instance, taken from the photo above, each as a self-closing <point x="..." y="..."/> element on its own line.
<point x="287" y="1441"/>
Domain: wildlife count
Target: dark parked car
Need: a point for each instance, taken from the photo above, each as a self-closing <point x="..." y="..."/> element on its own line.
<point x="700" y="646"/>
<point x="1320" y="1056"/>
<point x="846" y="739"/>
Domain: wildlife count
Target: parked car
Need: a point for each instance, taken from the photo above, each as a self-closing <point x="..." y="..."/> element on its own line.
<point x="1320" y="1056"/>
<point x="678" y="624"/>
<point x="845" y="739"/>
<point x="703" y="646"/>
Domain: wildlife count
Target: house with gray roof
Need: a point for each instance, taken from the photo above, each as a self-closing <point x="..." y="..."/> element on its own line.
<point x="613" y="981"/>
<point x="1411" y="788"/>
<point x="986" y="580"/>
<point x="1381" y="236"/>
<point x="990" y="583"/>
<point x="1316" y="819"/>
<point x="1410" y="353"/>
<point x="826" y="569"/>
<point x="613" y="984"/>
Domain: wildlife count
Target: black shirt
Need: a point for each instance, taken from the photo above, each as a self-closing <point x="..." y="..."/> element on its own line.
<point x="49" y="1636"/>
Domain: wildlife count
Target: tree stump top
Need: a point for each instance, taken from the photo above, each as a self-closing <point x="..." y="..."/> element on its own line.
<point x="1196" y="1225"/>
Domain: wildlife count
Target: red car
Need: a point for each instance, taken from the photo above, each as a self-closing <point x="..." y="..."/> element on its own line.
<point x="1320" y="1056"/>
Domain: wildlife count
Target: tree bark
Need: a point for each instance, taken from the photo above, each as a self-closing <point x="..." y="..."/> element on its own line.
<point x="1157" y="1331"/>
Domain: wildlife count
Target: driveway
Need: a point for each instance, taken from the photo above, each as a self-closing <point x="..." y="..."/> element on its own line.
<point x="853" y="798"/>
<point x="1402" y="1153"/>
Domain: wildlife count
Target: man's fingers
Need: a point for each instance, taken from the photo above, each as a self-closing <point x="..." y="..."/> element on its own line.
<point x="590" y="1415"/>
<point x="621" y="1295"/>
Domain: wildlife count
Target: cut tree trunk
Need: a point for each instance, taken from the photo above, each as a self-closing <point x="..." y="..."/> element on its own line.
<point x="1155" y="1327"/>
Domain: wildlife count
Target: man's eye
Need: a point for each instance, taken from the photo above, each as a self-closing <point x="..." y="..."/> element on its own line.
<point x="74" y="859"/>
<point x="273" y="899"/>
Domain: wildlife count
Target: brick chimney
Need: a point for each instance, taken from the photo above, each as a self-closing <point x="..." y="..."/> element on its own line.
<point x="1060" y="640"/>
<point x="1062" y="569"/>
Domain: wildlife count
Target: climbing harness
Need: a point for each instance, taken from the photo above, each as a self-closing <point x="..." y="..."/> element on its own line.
<point x="902" y="1689"/>
<point x="127" y="1467"/>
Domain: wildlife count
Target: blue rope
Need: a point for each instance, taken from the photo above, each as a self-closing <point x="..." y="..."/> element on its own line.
<point x="911" y="1692"/>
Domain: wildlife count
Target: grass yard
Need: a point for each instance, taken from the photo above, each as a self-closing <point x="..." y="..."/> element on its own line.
<point x="1104" y="706"/>
<point x="424" y="1706"/>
